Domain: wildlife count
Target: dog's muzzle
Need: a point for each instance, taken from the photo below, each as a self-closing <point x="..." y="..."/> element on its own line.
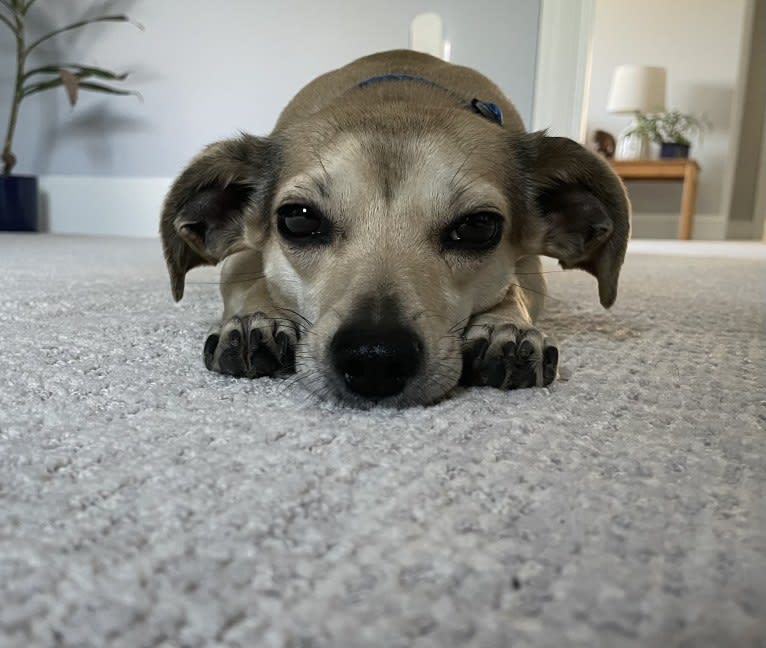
<point x="376" y="360"/>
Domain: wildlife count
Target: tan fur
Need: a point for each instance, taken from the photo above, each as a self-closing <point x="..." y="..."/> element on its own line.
<point x="392" y="165"/>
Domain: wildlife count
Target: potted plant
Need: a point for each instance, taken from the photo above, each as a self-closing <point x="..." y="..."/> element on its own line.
<point x="18" y="193"/>
<point x="634" y="141"/>
<point x="673" y="130"/>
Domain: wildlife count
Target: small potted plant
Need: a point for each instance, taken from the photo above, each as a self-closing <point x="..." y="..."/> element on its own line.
<point x="634" y="141"/>
<point x="18" y="193"/>
<point x="673" y="130"/>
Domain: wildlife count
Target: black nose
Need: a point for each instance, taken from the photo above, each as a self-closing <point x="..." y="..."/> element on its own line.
<point x="376" y="361"/>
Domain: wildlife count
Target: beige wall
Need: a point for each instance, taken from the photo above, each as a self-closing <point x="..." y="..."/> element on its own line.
<point x="700" y="44"/>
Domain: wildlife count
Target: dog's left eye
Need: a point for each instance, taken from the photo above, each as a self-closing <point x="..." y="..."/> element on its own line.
<point x="479" y="231"/>
<point x="300" y="223"/>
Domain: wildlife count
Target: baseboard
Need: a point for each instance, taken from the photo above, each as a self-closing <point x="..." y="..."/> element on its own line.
<point x="742" y="231"/>
<point x="707" y="227"/>
<point x="754" y="250"/>
<point x="102" y="205"/>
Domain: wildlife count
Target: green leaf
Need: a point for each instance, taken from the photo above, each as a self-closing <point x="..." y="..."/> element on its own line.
<point x="7" y="21"/>
<point x="84" y="85"/>
<point x="77" y="25"/>
<point x="82" y="71"/>
<point x="40" y="87"/>
<point x="99" y="87"/>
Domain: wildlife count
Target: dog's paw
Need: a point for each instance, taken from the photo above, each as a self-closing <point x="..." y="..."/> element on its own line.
<point x="506" y="356"/>
<point x="252" y="346"/>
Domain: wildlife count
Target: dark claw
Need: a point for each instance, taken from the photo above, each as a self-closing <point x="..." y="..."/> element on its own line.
<point x="526" y="349"/>
<point x="550" y="364"/>
<point x="210" y="346"/>
<point x="262" y="360"/>
<point x="494" y="373"/>
<point x="521" y="378"/>
<point x="472" y="357"/>
<point x="231" y="359"/>
<point x="232" y="362"/>
<point x="509" y="349"/>
<point x="523" y="373"/>
<point x="286" y="351"/>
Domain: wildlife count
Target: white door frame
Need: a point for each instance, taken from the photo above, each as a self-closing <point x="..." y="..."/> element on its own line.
<point x="562" y="77"/>
<point x="759" y="217"/>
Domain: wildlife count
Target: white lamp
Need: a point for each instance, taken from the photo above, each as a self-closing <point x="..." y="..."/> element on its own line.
<point x="636" y="89"/>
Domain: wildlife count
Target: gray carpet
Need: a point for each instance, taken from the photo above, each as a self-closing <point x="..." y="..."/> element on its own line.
<point x="147" y="502"/>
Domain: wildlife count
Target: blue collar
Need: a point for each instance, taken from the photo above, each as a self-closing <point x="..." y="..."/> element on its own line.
<point x="486" y="109"/>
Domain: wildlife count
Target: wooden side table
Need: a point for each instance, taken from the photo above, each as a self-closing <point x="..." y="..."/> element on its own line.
<point x="682" y="169"/>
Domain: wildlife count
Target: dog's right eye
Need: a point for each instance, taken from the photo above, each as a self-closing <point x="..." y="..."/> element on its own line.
<point x="477" y="232"/>
<point x="302" y="224"/>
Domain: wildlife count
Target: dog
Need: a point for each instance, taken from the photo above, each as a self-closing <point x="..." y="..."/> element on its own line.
<point x="384" y="240"/>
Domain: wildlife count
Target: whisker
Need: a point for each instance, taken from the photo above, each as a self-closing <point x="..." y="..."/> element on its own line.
<point x="241" y="277"/>
<point x="309" y="323"/>
<point x="257" y="274"/>
<point x="320" y="394"/>
<point x="459" y="324"/>
<point x="538" y="292"/>
<point x="300" y="378"/>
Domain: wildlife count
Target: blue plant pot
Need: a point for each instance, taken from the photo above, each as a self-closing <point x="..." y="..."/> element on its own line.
<point x="674" y="150"/>
<point x="18" y="203"/>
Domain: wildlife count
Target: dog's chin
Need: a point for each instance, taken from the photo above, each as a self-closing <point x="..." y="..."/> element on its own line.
<point x="421" y="391"/>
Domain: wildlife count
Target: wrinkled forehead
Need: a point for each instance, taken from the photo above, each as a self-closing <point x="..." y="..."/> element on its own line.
<point x="391" y="166"/>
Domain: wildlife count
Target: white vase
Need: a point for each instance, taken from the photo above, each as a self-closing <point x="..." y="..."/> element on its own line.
<point x="632" y="147"/>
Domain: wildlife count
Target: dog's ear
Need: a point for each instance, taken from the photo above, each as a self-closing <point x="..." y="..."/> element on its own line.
<point x="579" y="211"/>
<point x="204" y="215"/>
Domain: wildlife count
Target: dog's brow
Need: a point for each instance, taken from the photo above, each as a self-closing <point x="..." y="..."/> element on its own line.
<point x="320" y="184"/>
<point x="311" y="184"/>
<point x="476" y="195"/>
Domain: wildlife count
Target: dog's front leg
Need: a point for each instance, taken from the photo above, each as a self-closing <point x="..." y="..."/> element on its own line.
<point x="503" y="349"/>
<point x="254" y="338"/>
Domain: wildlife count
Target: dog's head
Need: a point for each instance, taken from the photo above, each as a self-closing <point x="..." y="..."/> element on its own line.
<point x="387" y="232"/>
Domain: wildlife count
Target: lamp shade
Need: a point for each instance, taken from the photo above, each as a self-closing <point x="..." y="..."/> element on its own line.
<point x="637" y="88"/>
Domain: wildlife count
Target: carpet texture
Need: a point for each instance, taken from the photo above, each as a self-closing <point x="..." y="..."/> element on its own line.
<point x="147" y="502"/>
